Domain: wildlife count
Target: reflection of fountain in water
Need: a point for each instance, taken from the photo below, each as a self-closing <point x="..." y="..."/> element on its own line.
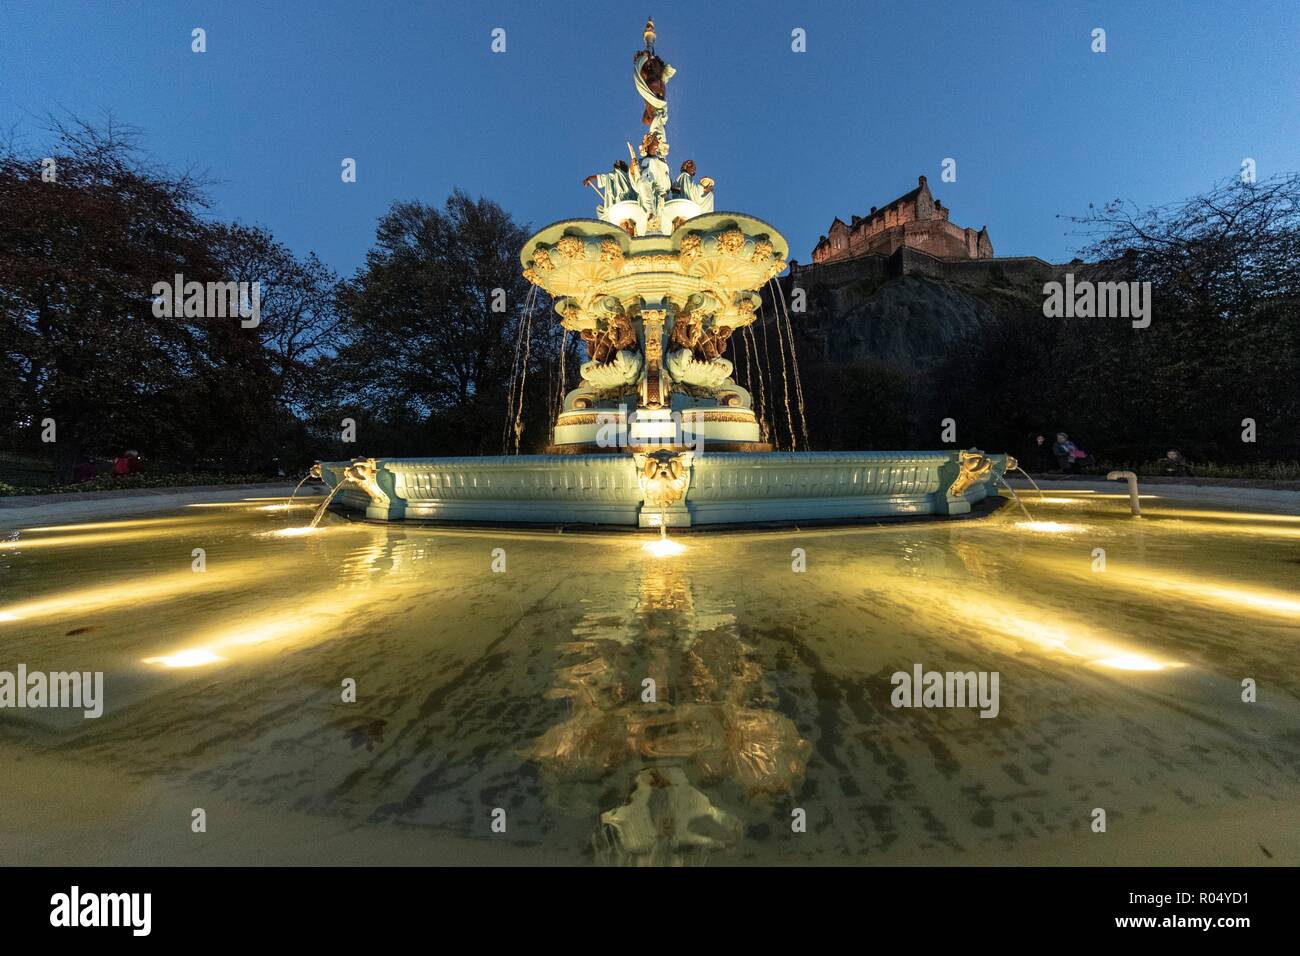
<point x="385" y="558"/>
<point x="1016" y="496"/>
<point x="687" y="758"/>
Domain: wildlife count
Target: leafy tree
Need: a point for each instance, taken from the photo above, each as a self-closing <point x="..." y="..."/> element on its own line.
<point x="82" y="242"/>
<point x="433" y="322"/>
<point x="1222" y="345"/>
<point x="90" y="227"/>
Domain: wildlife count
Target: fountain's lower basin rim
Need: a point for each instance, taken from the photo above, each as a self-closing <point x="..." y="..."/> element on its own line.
<point x="717" y="487"/>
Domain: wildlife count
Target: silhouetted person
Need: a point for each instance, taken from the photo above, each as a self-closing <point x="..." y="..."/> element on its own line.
<point x="1176" y="465"/>
<point x="1038" y="454"/>
<point x="1069" y="456"/>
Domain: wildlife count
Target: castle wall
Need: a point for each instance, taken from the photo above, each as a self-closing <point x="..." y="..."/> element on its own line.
<point x="915" y="220"/>
<point x="938" y="237"/>
<point x="904" y="260"/>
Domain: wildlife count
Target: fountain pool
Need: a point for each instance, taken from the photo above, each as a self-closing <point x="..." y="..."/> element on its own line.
<point x="522" y="690"/>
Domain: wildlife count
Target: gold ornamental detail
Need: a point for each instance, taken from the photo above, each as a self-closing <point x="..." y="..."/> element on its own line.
<point x="691" y="248"/>
<point x="739" y="418"/>
<point x="653" y="327"/>
<point x="655" y="263"/>
<point x="975" y="468"/>
<point x="732" y="242"/>
<point x="570" y="247"/>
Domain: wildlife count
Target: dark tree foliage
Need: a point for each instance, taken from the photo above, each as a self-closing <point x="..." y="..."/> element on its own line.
<point x="1222" y="345"/>
<point x="432" y="324"/>
<point x="78" y="258"/>
<point x="83" y="241"/>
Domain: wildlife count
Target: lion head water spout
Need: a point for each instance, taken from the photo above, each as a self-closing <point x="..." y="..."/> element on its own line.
<point x="664" y="477"/>
<point x="362" y="473"/>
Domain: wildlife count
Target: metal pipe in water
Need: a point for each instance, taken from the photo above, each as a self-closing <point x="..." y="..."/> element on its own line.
<point x="1134" y="504"/>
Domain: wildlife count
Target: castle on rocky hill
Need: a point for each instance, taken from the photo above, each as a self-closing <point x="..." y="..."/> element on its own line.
<point x="915" y="220"/>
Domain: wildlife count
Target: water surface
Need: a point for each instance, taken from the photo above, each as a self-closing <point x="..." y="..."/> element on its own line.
<point x="521" y="696"/>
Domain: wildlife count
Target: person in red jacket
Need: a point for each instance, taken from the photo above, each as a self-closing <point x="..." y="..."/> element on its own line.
<point x="127" y="463"/>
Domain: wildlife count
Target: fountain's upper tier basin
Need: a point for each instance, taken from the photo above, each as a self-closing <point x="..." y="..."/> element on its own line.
<point x="711" y="488"/>
<point x="724" y="254"/>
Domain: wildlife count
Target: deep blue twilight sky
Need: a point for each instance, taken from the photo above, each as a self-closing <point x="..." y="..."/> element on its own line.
<point x="1038" y="124"/>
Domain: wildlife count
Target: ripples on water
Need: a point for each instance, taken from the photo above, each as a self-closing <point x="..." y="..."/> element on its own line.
<point x="627" y="708"/>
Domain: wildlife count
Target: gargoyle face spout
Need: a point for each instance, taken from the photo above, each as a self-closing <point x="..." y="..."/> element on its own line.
<point x="365" y="473"/>
<point x="664" y="476"/>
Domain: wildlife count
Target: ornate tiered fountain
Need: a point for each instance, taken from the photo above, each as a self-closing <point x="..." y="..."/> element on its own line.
<point x="656" y="285"/>
<point x="659" y="433"/>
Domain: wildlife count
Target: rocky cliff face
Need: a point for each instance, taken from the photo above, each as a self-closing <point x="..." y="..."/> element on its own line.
<point x="909" y="322"/>
<point x="877" y="340"/>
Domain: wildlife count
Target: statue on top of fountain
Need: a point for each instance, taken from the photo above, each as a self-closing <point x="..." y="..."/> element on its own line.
<point x="642" y="197"/>
<point x="614" y="186"/>
<point x="700" y="193"/>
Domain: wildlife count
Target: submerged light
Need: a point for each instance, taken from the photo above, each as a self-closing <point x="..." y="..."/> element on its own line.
<point x="663" y="548"/>
<point x="295" y="532"/>
<point x="1049" y="527"/>
<point x="190" y="658"/>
